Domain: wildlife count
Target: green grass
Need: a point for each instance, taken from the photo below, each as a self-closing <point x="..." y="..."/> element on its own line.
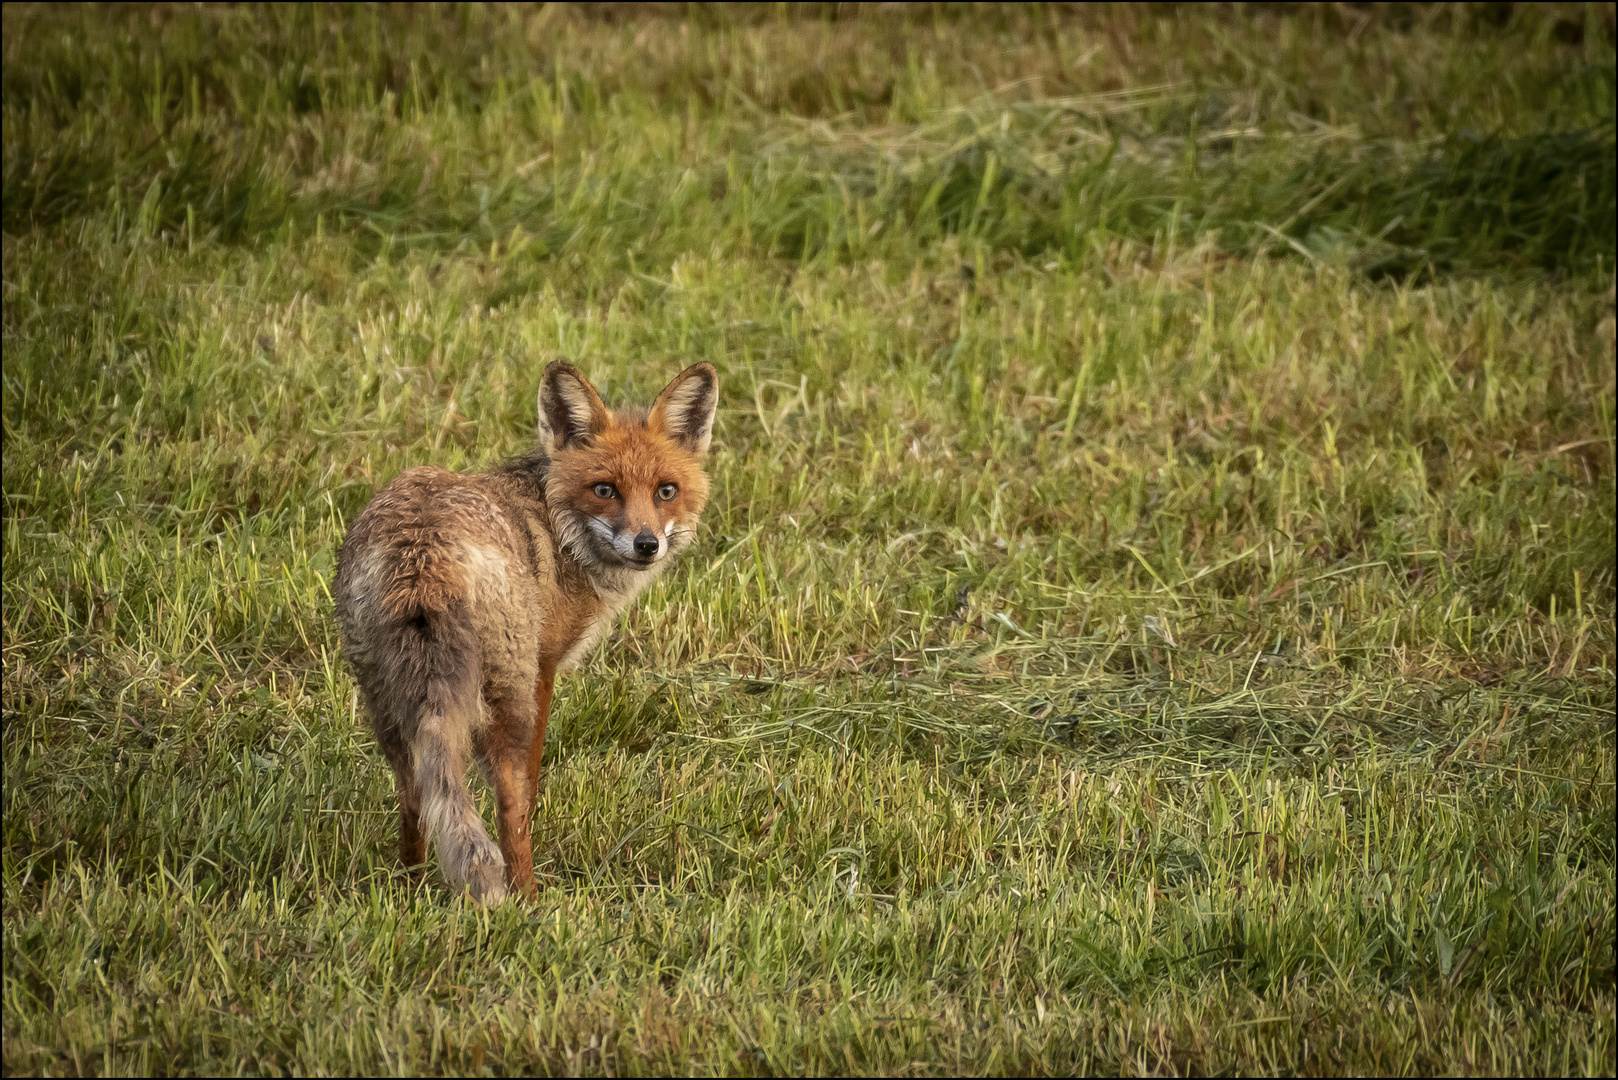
<point x="1156" y="612"/>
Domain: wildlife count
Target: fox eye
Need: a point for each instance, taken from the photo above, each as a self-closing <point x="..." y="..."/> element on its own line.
<point x="605" y="491"/>
<point x="667" y="492"/>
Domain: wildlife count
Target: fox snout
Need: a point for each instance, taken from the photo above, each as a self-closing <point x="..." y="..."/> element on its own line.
<point x="644" y="546"/>
<point x="640" y="545"/>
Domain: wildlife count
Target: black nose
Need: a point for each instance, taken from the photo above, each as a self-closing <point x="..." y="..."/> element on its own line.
<point x="646" y="544"/>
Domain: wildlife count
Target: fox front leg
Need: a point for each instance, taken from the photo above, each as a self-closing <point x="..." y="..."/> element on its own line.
<point x="536" y="753"/>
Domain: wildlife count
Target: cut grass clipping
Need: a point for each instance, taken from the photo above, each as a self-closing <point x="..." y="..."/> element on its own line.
<point x="1155" y="614"/>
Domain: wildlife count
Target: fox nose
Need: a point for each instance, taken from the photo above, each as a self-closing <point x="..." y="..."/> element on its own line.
<point x="646" y="544"/>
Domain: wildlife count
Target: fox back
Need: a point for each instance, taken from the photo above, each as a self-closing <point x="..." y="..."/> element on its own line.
<point x="461" y="596"/>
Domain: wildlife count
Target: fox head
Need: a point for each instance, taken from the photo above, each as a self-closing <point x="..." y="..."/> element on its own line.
<point x="624" y="488"/>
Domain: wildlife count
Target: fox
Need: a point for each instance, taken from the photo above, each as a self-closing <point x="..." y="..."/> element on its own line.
<point x="461" y="597"/>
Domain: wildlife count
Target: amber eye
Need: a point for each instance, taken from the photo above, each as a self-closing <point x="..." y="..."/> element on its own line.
<point x="605" y="491"/>
<point x="667" y="492"/>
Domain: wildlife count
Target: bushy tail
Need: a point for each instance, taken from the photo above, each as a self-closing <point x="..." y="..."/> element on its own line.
<point x="468" y="858"/>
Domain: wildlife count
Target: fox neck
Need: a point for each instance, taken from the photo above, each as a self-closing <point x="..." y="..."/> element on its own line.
<point x="618" y="585"/>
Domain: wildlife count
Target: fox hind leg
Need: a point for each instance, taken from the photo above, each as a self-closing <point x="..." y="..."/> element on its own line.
<point x="505" y="748"/>
<point x="511" y="749"/>
<point x="516" y="838"/>
<point x="412" y="841"/>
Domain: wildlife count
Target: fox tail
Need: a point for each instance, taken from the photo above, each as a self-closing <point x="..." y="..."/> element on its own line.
<point x="448" y="710"/>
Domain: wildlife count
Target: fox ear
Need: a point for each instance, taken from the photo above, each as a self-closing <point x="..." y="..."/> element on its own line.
<point x="570" y="410"/>
<point x="685" y="408"/>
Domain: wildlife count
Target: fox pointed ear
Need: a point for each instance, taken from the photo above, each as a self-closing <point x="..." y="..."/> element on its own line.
<point x="570" y="410"/>
<point x="685" y="408"/>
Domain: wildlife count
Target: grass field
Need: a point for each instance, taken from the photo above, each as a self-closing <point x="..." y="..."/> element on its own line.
<point x="1156" y="612"/>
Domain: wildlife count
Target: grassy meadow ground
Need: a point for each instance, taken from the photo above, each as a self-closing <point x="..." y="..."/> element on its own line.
<point x="1155" y="614"/>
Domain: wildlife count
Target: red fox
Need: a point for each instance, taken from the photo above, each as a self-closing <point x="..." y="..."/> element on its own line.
<point x="461" y="596"/>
